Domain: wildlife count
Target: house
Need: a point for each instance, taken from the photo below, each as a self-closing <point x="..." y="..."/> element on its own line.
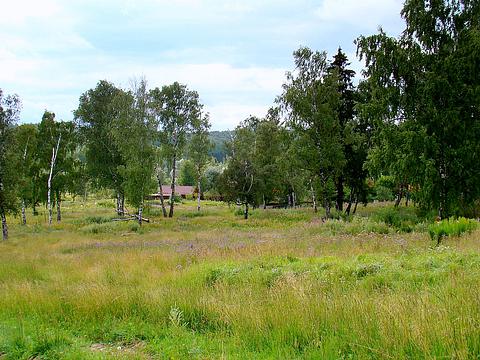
<point x="181" y="190"/>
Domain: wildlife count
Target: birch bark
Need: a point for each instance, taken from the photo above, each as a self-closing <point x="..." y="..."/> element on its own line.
<point x="50" y="177"/>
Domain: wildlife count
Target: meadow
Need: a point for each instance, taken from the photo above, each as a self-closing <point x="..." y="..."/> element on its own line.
<point x="210" y="285"/>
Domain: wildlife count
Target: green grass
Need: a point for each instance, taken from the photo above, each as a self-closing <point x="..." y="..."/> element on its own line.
<point x="282" y="285"/>
<point x="451" y="227"/>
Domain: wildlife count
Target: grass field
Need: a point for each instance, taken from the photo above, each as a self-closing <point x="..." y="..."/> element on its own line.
<point x="282" y="285"/>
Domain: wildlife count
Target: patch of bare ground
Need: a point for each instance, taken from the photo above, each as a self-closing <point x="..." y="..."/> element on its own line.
<point x="118" y="350"/>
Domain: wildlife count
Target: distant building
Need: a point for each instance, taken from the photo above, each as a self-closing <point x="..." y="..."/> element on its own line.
<point x="181" y="190"/>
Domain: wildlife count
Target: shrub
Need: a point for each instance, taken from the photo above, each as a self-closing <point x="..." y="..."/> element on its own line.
<point x="401" y="219"/>
<point x="239" y="211"/>
<point x="367" y="269"/>
<point x="383" y="193"/>
<point x="106" y="203"/>
<point x="451" y="227"/>
<point x="97" y="228"/>
<point x="97" y="219"/>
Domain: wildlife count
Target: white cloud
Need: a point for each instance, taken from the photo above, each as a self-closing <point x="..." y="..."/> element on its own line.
<point x="360" y="13"/>
<point x="230" y="93"/>
<point x="19" y="12"/>
<point x="228" y="115"/>
<point x="47" y="55"/>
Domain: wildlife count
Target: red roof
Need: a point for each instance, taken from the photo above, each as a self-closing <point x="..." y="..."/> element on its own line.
<point x="179" y="190"/>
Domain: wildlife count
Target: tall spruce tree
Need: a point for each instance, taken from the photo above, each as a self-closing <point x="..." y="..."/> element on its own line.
<point x="312" y="102"/>
<point x="353" y="174"/>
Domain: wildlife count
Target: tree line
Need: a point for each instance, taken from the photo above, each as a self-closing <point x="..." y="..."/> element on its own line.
<point x="411" y="123"/>
<point x="125" y="140"/>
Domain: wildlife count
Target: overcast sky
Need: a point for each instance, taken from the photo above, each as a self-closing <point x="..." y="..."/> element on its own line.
<point x="234" y="53"/>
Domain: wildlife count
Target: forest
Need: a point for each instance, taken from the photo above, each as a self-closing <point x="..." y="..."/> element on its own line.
<point x="352" y="186"/>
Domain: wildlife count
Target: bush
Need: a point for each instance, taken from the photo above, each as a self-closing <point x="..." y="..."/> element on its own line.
<point x="98" y="228"/>
<point x="239" y="211"/>
<point x="451" y="227"/>
<point x="177" y="199"/>
<point x="383" y="193"/>
<point x="212" y="195"/>
<point x="97" y="219"/>
<point x="111" y="227"/>
<point x="109" y="204"/>
<point x="401" y="219"/>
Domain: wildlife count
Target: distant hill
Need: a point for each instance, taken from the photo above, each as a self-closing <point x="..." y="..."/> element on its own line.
<point x="219" y="138"/>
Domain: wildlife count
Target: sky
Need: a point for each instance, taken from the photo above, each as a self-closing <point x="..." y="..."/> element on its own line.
<point x="233" y="53"/>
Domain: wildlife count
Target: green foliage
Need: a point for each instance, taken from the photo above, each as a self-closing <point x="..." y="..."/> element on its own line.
<point x="97" y="219"/>
<point x="312" y="101"/>
<point x="9" y="159"/>
<point x="451" y="227"/>
<point x="178" y="112"/>
<point x="134" y="132"/>
<point x="198" y="152"/>
<point x="187" y="173"/>
<point x="109" y="226"/>
<point x="384" y="188"/>
<point x="50" y="131"/>
<point x="26" y="136"/>
<point x="418" y="97"/>
<point x="218" y="139"/>
<point x="239" y="181"/>
<point x="401" y="219"/>
<point x="95" y="117"/>
<point x="383" y="193"/>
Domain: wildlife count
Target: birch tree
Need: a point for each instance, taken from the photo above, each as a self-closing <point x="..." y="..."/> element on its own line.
<point x="267" y="154"/>
<point x="135" y="133"/>
<point x="239" y="181"/>
<point x="160" y="176"/>
<point x="9" y="110"/>
<point x="53" y="161"/>
<point x="312" y="102"/>
<point x="26" y="136"/>
<point x="176" y="109"/>
<point x="57" y="142"/>
<point x="95" y="116"/>
<point x="199" y="147"/>
<point x="423" y="90"/>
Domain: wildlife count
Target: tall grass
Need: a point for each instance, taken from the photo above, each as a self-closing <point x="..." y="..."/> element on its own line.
<point x="283" y="285"/>
<point x="450" y="227"/>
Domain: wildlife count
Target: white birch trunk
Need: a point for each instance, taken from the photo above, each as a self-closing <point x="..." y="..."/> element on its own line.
<point x="4" y="225"/>
<point x="24" y="215"/>
<point x="140" y="214"/>
<point x="160" y="191"/>
<point x="172" y="194"/>
<point x="120" y="204"/>
<point x="50" y="177"/>
<point x="314" y="198"/>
